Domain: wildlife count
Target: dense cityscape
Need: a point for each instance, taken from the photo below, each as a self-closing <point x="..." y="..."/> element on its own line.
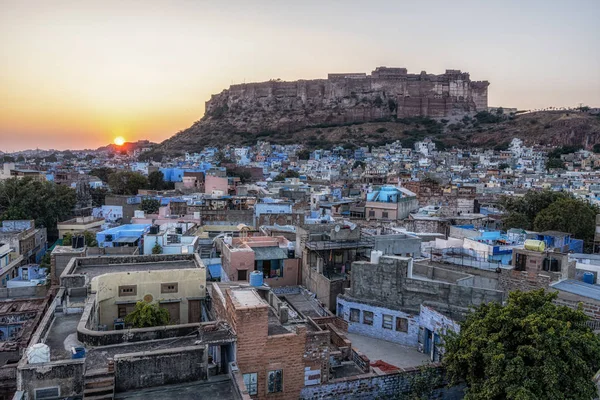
<point x="245" y="203"/>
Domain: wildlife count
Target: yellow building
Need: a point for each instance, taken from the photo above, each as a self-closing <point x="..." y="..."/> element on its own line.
<point x="179" y="291"/>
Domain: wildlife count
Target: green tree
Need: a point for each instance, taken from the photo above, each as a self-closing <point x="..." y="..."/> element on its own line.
<point x="555" y="163"/>
<point x="127" y="182"/>
<point x="102" y="173"/>
<point x="150" y="205"/>
<point x="157" y="248"/>
<point x="89" y="238"/>
<point x="423" y="384"/>
<point x="45" y="202"/>
<point x="147" y="315"/>
<point x="305" y="154"/>
<point x="516" y="220"/>
<point x="529" y="205"/>
<point x="528" y="349"/>
<point x="503" y="166"/>
<point x="98" y="196"/>
<point x="596" y="148"/>
<point x="358" y="163"/>
<point x="569" y="215"/>
<point x="156" y="180"/>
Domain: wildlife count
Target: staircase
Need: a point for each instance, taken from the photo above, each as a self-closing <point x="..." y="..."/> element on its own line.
<point x="99" y="385"/>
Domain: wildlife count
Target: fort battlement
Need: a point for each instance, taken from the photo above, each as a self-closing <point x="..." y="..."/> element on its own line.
<point x="348" y="97"/>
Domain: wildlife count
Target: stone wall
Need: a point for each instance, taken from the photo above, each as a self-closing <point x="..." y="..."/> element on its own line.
<point x="389" y="284"/>
<point x="367" y="387"/>
<point x="345" y="98"/>
<point x="66" y="375"/>
<point x="161" y="367"/>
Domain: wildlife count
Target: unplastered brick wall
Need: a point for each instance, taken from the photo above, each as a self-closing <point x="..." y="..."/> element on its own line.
<point x="368" y="387"/>
<point x="259" y="353"/>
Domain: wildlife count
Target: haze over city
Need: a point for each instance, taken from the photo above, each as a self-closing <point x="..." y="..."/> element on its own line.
<point x="77" y="74"/>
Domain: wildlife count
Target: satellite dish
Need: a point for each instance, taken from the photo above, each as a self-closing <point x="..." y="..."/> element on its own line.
<point x="337" y="228"/>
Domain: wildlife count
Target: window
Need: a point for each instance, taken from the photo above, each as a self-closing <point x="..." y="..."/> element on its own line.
<point x="275" y="381"/>
<point x="251" y="382"/>
<point x="401" y="324"/>
<point x="520" y="262"/>
<point x="388" y="320"/>
<point x="128" y="290"/>
<point x="367" y="318"/>
<point x="384" y="214"/>
<point x="371" y="213"/>
<point x="354" y="315"/>
<point x="168" y="287"/>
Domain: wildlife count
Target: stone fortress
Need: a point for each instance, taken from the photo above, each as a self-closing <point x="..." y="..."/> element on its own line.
<point x="346" y="98"/>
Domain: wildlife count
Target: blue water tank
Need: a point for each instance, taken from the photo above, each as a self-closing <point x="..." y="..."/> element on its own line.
<point x="256" y="278"/>
<point x="588" y="277"/>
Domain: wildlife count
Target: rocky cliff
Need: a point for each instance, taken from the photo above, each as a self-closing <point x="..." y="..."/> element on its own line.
<point x="359" y="109"/>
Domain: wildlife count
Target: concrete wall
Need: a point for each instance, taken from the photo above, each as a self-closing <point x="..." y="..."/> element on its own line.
<point x="398" y="245"/>
<point x="191" y="284"/>
<point x="26" y="291"/>
<point x="67" y="375"/>
<point x="389" y="284"/>
<point x="161" y="367"/>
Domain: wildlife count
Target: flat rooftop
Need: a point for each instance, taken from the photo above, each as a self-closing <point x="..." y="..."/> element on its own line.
<point x="579" y="288"/>
<point x="219" y="387"/>
<point x="303" y="302"/>
<point x="62" y="336"/>
<point x="246" y="298"/>
<point x="390" y="352"/>
<point x="95" y="270"/>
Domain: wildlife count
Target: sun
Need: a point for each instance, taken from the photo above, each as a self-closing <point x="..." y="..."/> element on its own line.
<point x="119" y="141"/>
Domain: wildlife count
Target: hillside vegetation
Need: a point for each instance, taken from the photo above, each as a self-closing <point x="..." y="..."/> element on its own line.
<point x="552" y="128"/>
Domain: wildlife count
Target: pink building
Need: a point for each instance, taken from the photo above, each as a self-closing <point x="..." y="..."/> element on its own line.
<point x="216" y="185"/>
<point x="270" y="255"/>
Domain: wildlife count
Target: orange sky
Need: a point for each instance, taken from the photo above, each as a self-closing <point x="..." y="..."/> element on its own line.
<point x="75" y="74"/>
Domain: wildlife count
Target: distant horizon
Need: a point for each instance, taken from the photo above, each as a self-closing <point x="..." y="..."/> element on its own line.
<point x="82" y="73"/>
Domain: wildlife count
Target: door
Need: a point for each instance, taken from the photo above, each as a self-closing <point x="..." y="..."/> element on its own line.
<point x="267" y="268"/>
<point x="242" y="275"/>
<point x="173" y="309"/>
<point x="193" y="311"/>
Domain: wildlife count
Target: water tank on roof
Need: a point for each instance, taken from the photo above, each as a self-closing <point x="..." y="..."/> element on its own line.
<point x="38" y="353"/>
<point x="375" y="255"/>
<point x="256" y="278"/>
<point x="588" y="277"/>
<point x="535" y="245"/>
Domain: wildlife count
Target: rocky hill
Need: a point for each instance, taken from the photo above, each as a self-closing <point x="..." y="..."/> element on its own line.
<point x="552" y="128"/>
<point x="387" y="105"/>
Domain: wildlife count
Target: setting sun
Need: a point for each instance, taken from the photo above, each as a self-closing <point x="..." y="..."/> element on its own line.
<point x="119" y="141"/>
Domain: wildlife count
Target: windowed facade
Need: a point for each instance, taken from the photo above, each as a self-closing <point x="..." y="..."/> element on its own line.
<point x="387" y="321"/>
<point x="275" y="381"/>
<point x="384" y="214"/>
<point x="251" y="382"/>
<point x="169" y="287"/>
<point x="371" y="213"/>
<point x="270" y="268"/>
<point x="367" y="318"/>
<point x="401" y="324"/>
<point x="354" y="315"/>
<point x="128" y="290"/>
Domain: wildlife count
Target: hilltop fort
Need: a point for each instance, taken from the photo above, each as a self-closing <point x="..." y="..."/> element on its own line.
<point x="346" y="98"/>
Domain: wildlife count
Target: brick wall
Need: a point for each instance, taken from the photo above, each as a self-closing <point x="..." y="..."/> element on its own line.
<point x="364" y="387"/>
<point x="259" y="353"/>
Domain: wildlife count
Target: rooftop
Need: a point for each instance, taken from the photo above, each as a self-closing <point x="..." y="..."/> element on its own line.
<point x="222" y="388"/>
<point x="392" y="353"/>
<point x="95" y="270"/>
<point x="579" y="288"/>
